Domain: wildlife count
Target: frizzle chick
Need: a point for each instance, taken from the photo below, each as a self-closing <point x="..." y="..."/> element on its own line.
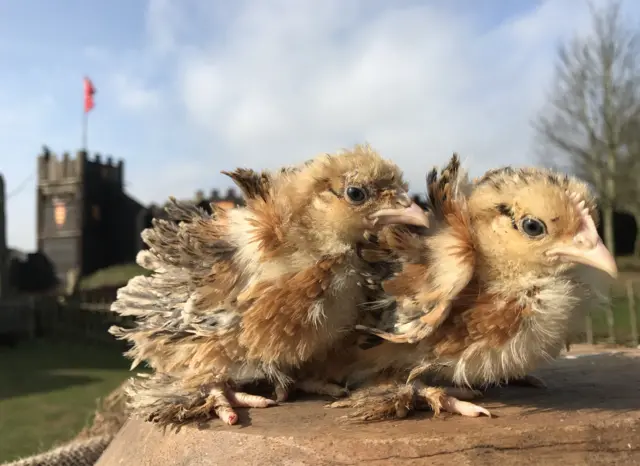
<point x="254" y="292"/>
<point x="486" y="297"/>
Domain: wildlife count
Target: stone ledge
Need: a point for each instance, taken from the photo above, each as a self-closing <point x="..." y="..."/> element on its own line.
<point x="589" y="415"/>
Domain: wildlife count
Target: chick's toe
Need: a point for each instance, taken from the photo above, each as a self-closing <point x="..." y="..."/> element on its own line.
<point x="227" y="399"/>
<point x="440" y="399"/>
<point x="464" y="408"/>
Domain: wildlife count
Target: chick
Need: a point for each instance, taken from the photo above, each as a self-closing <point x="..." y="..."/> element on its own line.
<point x="254" y="292"/>
<point x="516" y="240"/>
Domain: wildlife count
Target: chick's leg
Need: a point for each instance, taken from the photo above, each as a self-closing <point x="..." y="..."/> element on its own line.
<point x="319" y="387"/>
<point x="463" y="393"/>
<point x="311" y="387"/>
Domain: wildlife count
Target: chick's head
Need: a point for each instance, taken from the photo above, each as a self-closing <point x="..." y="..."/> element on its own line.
<point x="353" y="192"/>
<point x="536" y="221"/>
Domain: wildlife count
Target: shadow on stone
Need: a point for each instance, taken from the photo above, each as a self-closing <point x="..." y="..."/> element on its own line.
<point x="590" y="414"/>
<point x="588" y="382"/>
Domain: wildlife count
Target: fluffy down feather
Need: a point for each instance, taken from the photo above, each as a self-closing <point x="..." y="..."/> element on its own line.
<point x="254" y="292"/>
<point x="523" y="239"/>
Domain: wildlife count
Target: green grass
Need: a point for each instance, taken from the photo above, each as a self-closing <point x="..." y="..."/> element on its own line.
<point x="622" y="327"/>
<point x="49" y="392"/>
<point x="112" y="276"/>
<point x="628" y="263"/>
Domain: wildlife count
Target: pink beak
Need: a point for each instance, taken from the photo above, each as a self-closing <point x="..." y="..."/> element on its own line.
<point x="587" y="248"/>
<point x="411" y="215"/>
<point x="597" y="256"/>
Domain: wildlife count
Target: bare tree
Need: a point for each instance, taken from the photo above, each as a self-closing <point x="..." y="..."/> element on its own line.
<point x="628" y="178"/>
<point x="590" y="124"/>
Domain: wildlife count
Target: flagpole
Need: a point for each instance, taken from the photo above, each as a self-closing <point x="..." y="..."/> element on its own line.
<point x="85" y="118"/>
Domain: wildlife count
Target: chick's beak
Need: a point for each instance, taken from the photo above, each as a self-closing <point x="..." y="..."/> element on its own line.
<point x="597" y="256"/>
<point x="587" y="248"/>
<point x="409" y="213"/>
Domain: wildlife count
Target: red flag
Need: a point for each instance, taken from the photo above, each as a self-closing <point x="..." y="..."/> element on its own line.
<point x="89" y="90"/>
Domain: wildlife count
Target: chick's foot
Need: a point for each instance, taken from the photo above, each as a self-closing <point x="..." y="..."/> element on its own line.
<point x="464" y="408"/>
<point x="226" y="399"/>
<point x="393" y="401"/>
<point x="449" y="400"/>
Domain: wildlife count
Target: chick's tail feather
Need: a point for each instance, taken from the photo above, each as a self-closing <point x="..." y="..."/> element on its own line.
<point x="183" y="257"/>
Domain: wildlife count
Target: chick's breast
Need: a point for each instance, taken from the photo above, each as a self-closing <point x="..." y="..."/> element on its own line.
<point x="288" y="320"/>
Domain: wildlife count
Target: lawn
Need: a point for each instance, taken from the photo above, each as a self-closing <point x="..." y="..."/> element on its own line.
<point x="49" y="392"/>
<point x="622" y="327"/>
<point x="620" y="308"/>
<point x="116" y="275"/>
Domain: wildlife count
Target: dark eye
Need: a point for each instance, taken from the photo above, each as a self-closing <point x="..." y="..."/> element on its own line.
<point x="533" y="227"/>
<point x="356" y="195"/>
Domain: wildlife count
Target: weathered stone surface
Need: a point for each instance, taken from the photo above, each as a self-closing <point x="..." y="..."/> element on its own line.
<point x="590" y="414"/>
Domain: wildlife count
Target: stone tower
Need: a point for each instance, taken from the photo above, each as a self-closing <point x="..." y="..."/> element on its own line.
<point x="85" y="220"/>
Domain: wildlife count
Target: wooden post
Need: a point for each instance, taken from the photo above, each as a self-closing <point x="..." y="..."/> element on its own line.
<point x="588" y="327"/>
<point x="633" y="318"/>
<point x="610" y="320"/>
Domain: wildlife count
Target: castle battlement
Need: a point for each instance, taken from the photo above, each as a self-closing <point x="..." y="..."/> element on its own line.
<point x="232" y="196"/>
<point x="68" y="169"/>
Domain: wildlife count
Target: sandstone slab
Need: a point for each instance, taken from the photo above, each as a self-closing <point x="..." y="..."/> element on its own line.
<point x="590" y="414"/>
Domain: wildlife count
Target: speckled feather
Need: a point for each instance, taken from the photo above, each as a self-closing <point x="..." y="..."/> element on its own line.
<point x="507" y="314"/>
<point x="252" y="292"/>
<point x="432" y="265"/>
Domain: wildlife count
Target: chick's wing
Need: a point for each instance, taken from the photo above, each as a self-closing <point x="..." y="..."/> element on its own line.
<point x="431" y="266"/>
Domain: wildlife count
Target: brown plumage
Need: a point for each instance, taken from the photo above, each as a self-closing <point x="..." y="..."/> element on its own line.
<point x="254" y="292"/>
<point x="483" y="298"/>
<point x="437" y="263"/>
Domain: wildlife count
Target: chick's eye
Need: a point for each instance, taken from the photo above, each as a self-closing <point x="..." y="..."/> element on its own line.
<point x="533" y="227"/>
<point x="356" y="195"/>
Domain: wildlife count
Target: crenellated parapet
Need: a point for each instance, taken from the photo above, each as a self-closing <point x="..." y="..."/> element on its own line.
<point x="67" y="169"/>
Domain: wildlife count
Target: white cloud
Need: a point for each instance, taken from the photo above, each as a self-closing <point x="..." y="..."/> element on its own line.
<point x="95" y="53"/>
<point x="133" y="94"/>
<point x="265" y="83"/>
<point x="281" y="81"/>
<point x="165" y="21"/>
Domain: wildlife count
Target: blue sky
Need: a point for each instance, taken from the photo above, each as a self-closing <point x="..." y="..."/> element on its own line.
<point x="187" y="88"/>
